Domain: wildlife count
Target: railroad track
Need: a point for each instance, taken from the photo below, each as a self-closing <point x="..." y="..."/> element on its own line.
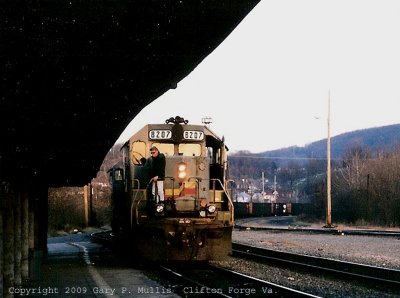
<point x="331" y="231"/>
<point x="365" y="275"/>
<point x="102" y="236"/>
<point x="205" y="280"/>
<point x="369" y="275"/>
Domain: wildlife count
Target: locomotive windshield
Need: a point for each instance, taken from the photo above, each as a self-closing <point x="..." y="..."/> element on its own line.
<point x="184" y="149"/>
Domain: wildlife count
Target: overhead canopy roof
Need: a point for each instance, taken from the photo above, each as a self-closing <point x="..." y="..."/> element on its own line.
<point x="74" y="73"/>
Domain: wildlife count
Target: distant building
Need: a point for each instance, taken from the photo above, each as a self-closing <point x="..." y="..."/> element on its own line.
<point x="242" y="197"/>
<point x="265" y="197"/>
<point x="288" y="197"/>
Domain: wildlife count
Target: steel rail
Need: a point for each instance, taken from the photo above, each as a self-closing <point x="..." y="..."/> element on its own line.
<point x="333" y="231"/>
<point x="189" y="284"/>
<point x="343" y="269"/>
<point x="220" y="282"/>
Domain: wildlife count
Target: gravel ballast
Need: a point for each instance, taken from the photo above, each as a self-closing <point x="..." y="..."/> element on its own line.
<point x="370" y="250"/>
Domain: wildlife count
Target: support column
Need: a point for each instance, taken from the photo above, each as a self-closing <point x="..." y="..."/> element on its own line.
<point x="17" y="240"/>
<point x="25" y="237"/>
<point x="40" y="209"/>
<point x="36" y="253"/>
<point x="1" y="246"/>
<point x="6" y="238"/>
<point x="8" y="248"/>
<point x="86" y="205"/>
<point x="31" y="239"/>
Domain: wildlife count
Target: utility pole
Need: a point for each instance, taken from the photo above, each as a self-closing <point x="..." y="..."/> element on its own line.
<point x="328" y="168"/>
<point x="263" y="179"/>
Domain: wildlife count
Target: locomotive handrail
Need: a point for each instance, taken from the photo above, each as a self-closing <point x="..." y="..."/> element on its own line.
<point x="198" y="180"/>
<point x="213" y="181"/>
<point x="173" y="185"/>
<point x="230" y="181"/>
<point x="133" y="201"/>
<point x="227" y="195"/>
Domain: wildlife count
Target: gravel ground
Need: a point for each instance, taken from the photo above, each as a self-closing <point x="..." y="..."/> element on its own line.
<point x="372" y="250"/>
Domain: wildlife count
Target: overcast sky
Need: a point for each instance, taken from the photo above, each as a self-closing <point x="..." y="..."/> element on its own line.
<point x="266" y="86"/>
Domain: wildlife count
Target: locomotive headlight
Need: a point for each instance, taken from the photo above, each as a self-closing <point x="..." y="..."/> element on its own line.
<point x="182" y="170"/>
<point x="211" y="208"/>
<point x="159" y="208"/>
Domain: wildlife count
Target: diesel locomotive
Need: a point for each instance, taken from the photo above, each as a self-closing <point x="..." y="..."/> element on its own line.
<point x="195" y="219"/>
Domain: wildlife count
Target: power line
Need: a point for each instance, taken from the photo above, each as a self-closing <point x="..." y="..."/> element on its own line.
<point x="281" y="157"/>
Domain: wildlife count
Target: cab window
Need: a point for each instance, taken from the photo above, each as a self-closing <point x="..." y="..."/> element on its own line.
<point x="166" y="148"/>
<point x="118" y="175"/>
<point x="190" y="149"/>
<point x="137" y="152"/>
<point x="214" y="154"/>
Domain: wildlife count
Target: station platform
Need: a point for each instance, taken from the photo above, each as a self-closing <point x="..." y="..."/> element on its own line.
<point x="74" y="266"/>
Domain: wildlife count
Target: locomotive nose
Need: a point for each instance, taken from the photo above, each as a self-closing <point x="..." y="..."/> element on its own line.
<point x="184" y="237"/>
<point x="180" y="238"/>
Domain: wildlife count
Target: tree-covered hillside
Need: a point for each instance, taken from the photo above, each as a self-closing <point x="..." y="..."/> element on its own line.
<point x="375" y="140"/>
<point x="365" y="174"/>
